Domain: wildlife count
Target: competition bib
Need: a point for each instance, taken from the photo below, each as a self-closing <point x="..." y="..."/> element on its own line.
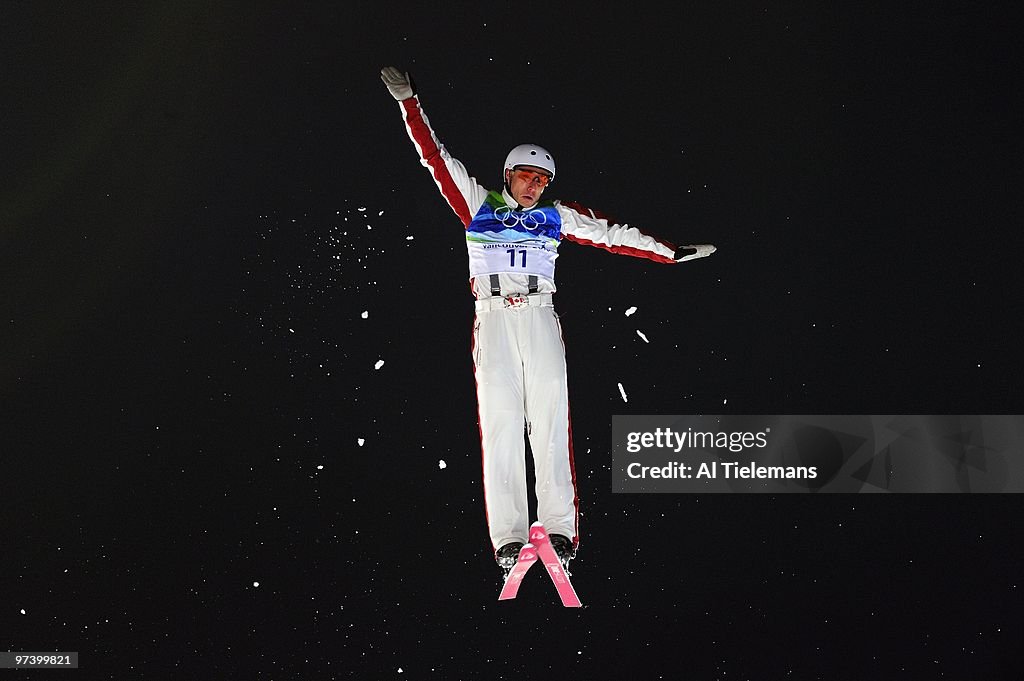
<point x="505" y="241"/>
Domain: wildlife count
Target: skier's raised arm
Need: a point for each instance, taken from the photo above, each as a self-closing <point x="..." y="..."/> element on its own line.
<point x="593" y="228"/>
<point x="461" y="191"/>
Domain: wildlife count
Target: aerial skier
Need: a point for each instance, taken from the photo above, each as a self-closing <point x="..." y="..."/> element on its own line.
<point x="518" y="357"/>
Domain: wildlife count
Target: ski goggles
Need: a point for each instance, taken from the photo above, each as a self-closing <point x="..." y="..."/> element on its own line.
<point x="532" y="176"/>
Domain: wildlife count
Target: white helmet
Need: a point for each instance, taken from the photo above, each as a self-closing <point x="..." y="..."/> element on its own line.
<point x="531" y="155"/>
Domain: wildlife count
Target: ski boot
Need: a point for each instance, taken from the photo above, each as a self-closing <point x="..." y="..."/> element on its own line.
<point x="563" y="549"/>
<point x="507" y="556"/>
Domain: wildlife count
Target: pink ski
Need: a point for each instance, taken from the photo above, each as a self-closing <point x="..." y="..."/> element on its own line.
<point x="527" y="557"/>
<point x="539" y="538"/>
<point x="540" y="547"/>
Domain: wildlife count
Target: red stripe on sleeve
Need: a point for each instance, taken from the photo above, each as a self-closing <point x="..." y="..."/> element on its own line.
<point x="625" y="250"/>
<point x="430" y="151"/>
<point x="618" y="250"/>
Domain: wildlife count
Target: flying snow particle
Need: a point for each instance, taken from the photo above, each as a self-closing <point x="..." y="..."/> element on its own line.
<point x="640" y="333"/>
<point x="23" y="611"/>
<point x="380" y="213"/>
<point x="622" y="391"/>
<point x="362" y="210"/>
<point x="366" y="314"/>
<point x="630" y="311"/>
<point x="379" y="364"/>
<point x="292" y="330"/>
<point x="409" y="238"/>
<point x="256" y="584"/>
<point x="441" y="464"/>
<point x="320" y="467"/>
<point x="360" y="441"/>
<point x="725" y="401"/>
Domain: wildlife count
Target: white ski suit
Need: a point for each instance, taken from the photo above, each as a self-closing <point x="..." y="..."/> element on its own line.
<point x="518" y="354"/>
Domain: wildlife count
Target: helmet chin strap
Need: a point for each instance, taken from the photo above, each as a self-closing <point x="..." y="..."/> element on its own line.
<point x="508" y="188"/>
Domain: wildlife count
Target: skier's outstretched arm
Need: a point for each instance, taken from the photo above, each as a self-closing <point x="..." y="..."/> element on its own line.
<point x="461" y="191"/>
<point x="593" y="228"/>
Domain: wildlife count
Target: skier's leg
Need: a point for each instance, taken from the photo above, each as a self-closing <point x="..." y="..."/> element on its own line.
<point x="499" y="389"/>
<point x="547" y="415"/>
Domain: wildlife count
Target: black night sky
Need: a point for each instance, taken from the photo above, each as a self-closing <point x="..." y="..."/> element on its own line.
<point x="213" y="230"/>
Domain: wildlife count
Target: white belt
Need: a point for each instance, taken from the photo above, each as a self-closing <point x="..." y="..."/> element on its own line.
<point x="514" y="302"/>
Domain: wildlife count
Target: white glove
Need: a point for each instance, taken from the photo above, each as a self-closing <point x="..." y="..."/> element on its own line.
<point x="399" y="84"/>
<point x="684" y="253"/>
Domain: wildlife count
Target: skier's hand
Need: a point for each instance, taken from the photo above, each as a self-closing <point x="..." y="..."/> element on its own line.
<point x="399" y="84"/>
<point x="684" y="253"/>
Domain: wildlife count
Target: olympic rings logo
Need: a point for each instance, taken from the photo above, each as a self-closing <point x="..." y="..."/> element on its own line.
<point x="531" y="220"/>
